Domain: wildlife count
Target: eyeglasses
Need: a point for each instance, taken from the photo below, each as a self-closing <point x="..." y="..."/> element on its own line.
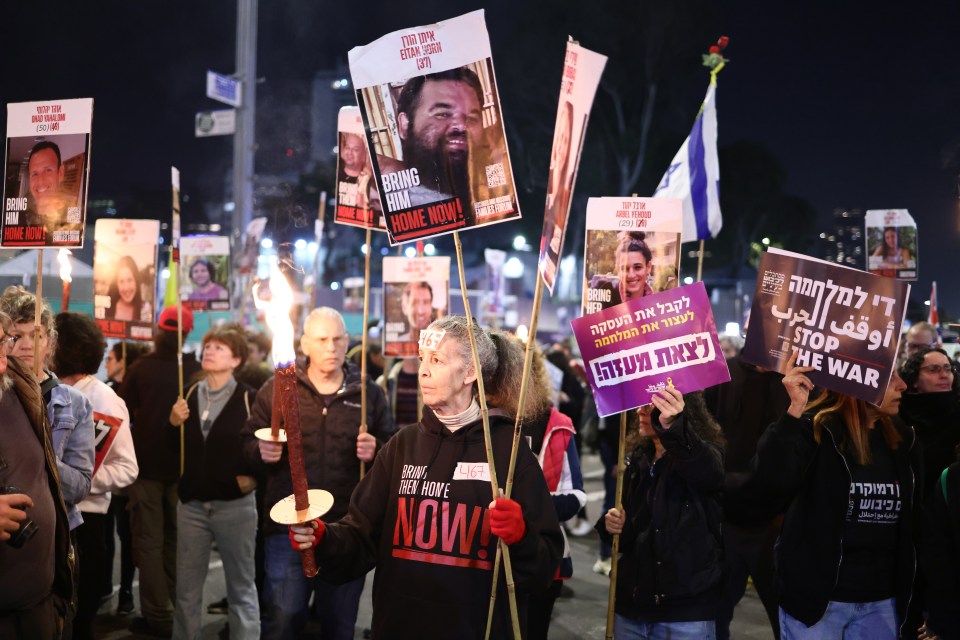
<point x="937" y="369"/>
<point x="334" y="340"/>
<point x="9" y="342"/>
<point x="917" y="346"/>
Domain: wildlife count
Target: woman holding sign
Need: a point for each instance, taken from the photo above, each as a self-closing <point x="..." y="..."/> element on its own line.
<point x="670" y="574"/>
<point x="845" y="558"/>
<point x="420" y="515"/>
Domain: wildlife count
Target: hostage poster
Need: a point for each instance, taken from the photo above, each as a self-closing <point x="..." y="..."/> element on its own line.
<point x="125" y="277"/>
<point x="358" y="203"/>
<point x="416" y="291"/>
<point x="843" y="322"/>
<point x="47" y="173"/>
<point x="633" y="350"/>
<point x="430" y="107"/>
<point x="205" y="275"/>
<point x="582" y="69"/>
<point x="631" y="250"/>
<point x="891" y="237"/>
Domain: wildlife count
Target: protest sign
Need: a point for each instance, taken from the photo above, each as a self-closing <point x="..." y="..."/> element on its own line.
<point x="206" y="269"/>
<point x="581" y="76"/>
<point x="125" y="277"/>
<point x="47" y="173"/>
<point x="640" y="347"/>
<point x="429" y="102"/>
<point x="843" y="322"/>
<point x="416" y="291"/>
<point x="358" y="203"/>
<point x="631" y="244"/>
<point x="891" y="239"/>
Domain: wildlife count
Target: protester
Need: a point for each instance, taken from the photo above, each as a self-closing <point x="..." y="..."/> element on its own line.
<point x="216" y="491"/>
<point x="670" y="573"/>
<point x="77" y="358"/>
<point x="38" y="584"/>
<point x="150" y="388"/>
<point x="939" y="551"/>
<point x="922" y="335"/>
<point x="731" y="345"/>
<point x="116" y="364"/>
<point x="328" y="389"/>
<point x="845" y="558"/>
<point x="551" y="437"/>
<point x="424" y="587"/>
<point x="69" y="412"/>
<point x="257" y="368"/>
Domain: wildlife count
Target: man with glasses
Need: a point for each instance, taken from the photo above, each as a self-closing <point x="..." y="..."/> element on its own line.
<point x="922" y="335"/>
<point x="328" y="389"/>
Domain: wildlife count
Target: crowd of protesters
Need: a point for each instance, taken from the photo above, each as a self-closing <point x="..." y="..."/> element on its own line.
<point x="763" y="478"/>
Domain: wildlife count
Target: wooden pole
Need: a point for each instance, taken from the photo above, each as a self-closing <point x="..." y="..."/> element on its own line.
<point x="316" y="257"/>
<point x="176" y="265"/>
<point x="612" y="597"/>
<point x="700" y="262"/>
<point x="37" y="312"/>
<point x="488" y="443"/>
<point x="363" y="347"/>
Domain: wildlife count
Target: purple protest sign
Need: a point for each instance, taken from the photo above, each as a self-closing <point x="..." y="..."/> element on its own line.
<point x="635" y="349"/>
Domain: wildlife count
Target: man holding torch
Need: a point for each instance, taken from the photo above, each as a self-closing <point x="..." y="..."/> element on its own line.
<point x="328" y="390"/>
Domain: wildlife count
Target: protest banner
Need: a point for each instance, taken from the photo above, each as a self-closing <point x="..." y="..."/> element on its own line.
<point x="430" y="108"/>
<point x="416" y="291"/>
<point x="125" y="277"/>
<point x="358" y="202"/>
<point x="633" y="350"/>
<point x="630" y="244"/>
<point x="206" y="273"/>
<point x="891" y="239"/>
<point x="582" y="69"/>
<point x="843" y="322"/>
<point x="47" y="173"/>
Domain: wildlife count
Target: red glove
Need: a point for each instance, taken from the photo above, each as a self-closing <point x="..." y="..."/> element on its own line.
<point x="506" y="520"/>
<point x="319" y="529"/>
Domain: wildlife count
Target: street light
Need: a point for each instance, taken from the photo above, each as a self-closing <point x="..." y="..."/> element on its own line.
<point x="519" y="243"/>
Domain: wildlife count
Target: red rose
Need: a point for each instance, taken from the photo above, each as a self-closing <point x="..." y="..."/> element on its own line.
<point x="723" y="42"/>
<point x="714" y="49"/>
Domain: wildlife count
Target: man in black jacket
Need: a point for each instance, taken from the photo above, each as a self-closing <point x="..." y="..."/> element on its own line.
<point x="150" y="387"/>
<point x="328" y="390"/>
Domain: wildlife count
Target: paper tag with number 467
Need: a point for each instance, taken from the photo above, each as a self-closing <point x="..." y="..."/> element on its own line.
<point x="431" y="339"/>
<point x="472" y="471"/>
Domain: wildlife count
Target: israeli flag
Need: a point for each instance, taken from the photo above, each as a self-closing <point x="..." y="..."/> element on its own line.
<point x="694" y="175"/>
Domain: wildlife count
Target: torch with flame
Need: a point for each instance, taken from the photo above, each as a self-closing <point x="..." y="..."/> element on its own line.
<point x="63" y="257"/>
<point x="305" y="504"/>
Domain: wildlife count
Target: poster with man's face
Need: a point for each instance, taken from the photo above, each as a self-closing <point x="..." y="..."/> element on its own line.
<point x="429" y="102"/>
<point x="631" y="250"/>
<point x="205" y="273"/>
<point x="47" y="173"/>
<point x="891" y="238"/>
<point x="581" y="76"/>
<point x="416" y="291"/>
<point x="125" y="277"/>
<point x="358" y="202"/>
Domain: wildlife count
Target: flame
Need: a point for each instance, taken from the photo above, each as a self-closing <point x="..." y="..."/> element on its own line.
<point x="63" y="257"/>
<point x="278" y="317"/>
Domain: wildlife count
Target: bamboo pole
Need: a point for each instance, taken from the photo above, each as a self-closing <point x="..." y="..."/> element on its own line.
<point x="316" y="257"/>
<point x="363" y="348"/>
<point x="612" y="597"/>
<point x="488" y="443"/>
<point x="37" y="312"/>
<point x="176" y="265"/>
<point x="700" y="262"/>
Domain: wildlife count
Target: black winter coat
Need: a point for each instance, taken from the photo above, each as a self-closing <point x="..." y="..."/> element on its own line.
<point x="816" y="477"/>
<point x="329" y="439"/>
<point x="672" y="561"/>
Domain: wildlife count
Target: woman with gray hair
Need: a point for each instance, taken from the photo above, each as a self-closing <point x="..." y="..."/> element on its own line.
<point x="423" y="516"/>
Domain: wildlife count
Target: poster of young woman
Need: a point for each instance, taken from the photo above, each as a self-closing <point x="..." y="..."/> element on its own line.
<point x="632" y="249"/>
<point x="125" y="277"/>
<point x="891" y="237"/>
<point x="582" y="69"/>
<point x="47" y="173"/>
<point x="358" y="202"/>
<point x="430" y="107"/>
<point x="205" y="273"/>
<point x="416" y="291"/>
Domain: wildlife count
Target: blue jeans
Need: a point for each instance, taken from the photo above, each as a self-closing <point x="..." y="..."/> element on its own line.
<point x="846" y="621"/>
<point x="232" y="524"/>
<point x="627" y="629"/>
<point x="287" y="594"/>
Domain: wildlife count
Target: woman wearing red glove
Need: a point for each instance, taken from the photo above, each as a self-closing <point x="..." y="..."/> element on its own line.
<point x="423" y="514"/>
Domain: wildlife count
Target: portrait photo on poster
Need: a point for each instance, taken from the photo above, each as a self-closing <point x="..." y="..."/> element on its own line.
<point x="205" y="269"/>
<point x="125" y="277"/>
<point x="891" y="238"/>
<point x="358" y="200"/>
<point x="416" y="292"/>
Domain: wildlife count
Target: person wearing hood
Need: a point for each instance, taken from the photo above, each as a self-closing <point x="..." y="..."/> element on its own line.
<point x="328" y="390"/>
<point x="423" y="515"/>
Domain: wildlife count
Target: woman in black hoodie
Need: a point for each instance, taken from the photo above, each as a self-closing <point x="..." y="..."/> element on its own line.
<point x="845" y="557"/>
<point x="423" y="515"/>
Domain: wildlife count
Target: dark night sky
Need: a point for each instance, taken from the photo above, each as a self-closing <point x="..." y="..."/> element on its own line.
<point x="858" y="103"/>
